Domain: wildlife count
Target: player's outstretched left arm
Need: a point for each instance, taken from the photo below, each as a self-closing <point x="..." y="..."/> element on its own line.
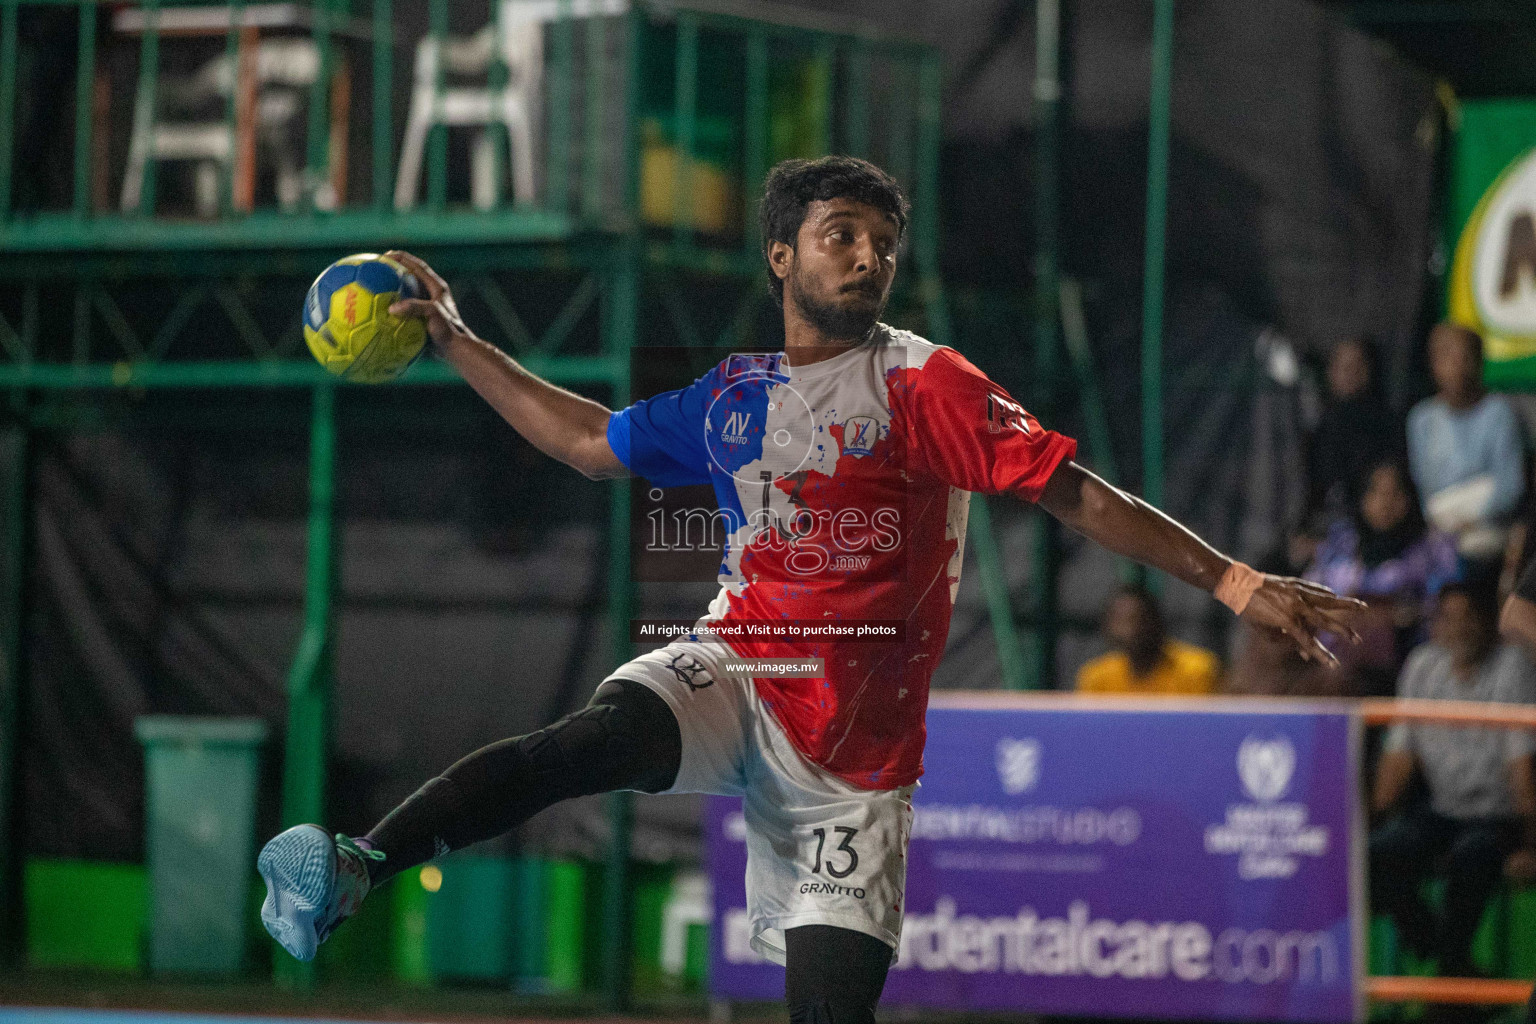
<point x="1129" y="526"/>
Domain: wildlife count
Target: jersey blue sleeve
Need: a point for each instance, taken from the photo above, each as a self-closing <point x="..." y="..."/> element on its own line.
<point x="662" y="438"/>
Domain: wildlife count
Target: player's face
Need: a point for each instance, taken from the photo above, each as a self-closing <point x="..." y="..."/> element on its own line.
<point x="842" y="268"/>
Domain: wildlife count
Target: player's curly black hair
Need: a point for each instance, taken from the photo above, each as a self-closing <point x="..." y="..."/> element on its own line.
<point x="794" y="184"/>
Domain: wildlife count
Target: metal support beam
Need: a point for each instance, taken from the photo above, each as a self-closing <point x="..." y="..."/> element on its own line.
<point x="9" y="12"/>
<point x="383" y="105"/>
<point x="620" y="312"/>
<point x="560" y="78"/>
<point x="755" y="132"/>
<point x="1047" y="102"/>
<point x="252" y="373"/>
<point x="85" y="81"/>
<point x="925" y="250"/>
<point x="1152" y="280"/>
<point x="1011" y="663"/>
<point x="684" y="110"/>
<point x="620" y="327"/>
<point x="317" y="161"/>
<point x="437" y="136"/>
<point x="13" y="573"/>
<point x="145" y="102"/>
<point x="309" y="681"/>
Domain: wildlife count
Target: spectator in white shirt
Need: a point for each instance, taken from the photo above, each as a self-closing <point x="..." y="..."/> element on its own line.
<point x="1466" y="453"/>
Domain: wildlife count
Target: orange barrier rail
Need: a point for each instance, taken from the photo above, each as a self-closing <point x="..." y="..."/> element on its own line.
<point x="1372" y="710"/>
<point x="1447" y="712"/>
<point x="1469" y="991"/>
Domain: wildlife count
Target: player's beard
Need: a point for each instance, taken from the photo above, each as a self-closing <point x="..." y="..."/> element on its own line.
<point x="835" y="322"/>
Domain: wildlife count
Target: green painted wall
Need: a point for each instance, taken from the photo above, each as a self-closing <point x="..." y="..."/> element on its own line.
<point x="85" y="914"/>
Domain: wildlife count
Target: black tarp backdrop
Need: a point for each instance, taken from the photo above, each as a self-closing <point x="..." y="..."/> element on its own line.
<point x="169" y="538"/>
<point x="1301" y="203"/>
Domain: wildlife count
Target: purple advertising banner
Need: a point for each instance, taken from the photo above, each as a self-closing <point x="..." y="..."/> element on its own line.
<point x="1194" y="861"/>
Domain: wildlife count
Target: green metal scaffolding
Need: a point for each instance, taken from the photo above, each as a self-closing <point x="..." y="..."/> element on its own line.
<point x="70" y="332"/>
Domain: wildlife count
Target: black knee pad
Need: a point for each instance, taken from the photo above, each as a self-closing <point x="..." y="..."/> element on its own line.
<point x="825" y="1012"/>
<point x="627" y="738"/>
<point x="592" y="739"/>
<point x="642" y="716"/>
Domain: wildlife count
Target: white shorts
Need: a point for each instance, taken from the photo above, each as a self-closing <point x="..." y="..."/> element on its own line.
<point x="819" y="850"/>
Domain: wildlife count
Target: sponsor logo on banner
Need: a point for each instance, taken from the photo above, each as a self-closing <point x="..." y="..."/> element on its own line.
<point x="1493" y="275"/>
<point x="1268" y="836"/>
<point x="1193" y="865"/>
<point x="1081" y="944"/>
<point x="1018" y="764"/>
<point x="1266" y="766"/>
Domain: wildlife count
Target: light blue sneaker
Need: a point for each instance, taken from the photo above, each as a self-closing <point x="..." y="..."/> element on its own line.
<point x="314" y="882"/>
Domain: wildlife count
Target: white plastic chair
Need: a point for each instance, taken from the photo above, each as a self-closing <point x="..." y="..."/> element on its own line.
<point x="519" y="46"/>
<point x="285" y="70"/>
<point x="516" y="41"/>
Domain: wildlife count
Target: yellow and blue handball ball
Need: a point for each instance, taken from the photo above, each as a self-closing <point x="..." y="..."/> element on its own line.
<point x="347" y="323"/>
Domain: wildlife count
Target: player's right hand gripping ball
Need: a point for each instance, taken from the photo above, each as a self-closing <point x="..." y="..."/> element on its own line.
<point x="347" y="323"/>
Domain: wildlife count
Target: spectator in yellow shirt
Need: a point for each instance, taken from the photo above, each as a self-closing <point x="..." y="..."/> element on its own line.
<point x="1144" y="659"/>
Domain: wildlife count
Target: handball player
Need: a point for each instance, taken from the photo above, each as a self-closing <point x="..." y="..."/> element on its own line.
<point x="843" y="467"/>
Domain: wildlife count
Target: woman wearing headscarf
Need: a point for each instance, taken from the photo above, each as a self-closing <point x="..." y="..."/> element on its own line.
<point x="1382" y="552"/>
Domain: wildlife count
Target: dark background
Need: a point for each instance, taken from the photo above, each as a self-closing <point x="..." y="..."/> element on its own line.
<point x="168" y="568"/>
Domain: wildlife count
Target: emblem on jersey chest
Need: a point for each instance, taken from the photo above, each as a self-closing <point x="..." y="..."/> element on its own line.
<point x="862" y="433"/>
<point x="736" y="426"/>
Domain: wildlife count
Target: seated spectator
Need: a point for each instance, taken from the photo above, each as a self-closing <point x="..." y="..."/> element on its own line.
<point x="1482" y="802"/>
<point x="1383" y="553"/>
<point x="1144" y="659"/>
<point x="1517" y="618"/>
<point x="1517" y="625"/>
<point x="1356" y="430"/>
<point x="1465" y="449"/>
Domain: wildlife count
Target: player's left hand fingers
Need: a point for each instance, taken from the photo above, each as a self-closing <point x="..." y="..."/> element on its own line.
<point x="1321" y="596"/>
<point x="1327" y="600"/>
<point x="1332" y="620"/>
<point x="423" y="309"/>
<point x="1309" y="646"/>
<point x="429" y="278"/>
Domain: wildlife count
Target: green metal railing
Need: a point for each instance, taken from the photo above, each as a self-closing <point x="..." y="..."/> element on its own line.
<point x="77" y="319"/>
<point x="590" y="153"/>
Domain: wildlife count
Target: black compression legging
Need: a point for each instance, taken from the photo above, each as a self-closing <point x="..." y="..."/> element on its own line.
<point x="626" y="738"/>
<point x="833" y="975"/>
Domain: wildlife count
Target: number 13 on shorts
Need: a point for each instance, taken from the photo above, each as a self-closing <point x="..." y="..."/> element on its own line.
<point x="833" y="864"/>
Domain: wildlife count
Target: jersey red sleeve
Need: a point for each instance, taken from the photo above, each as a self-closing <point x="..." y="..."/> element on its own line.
<point x="972" y="434"/>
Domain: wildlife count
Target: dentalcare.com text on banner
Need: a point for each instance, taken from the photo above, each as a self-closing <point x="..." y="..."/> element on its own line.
<point x="1188" y="864"/>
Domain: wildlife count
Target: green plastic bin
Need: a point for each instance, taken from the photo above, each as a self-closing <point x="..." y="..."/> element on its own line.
<point x="200" y="819"/>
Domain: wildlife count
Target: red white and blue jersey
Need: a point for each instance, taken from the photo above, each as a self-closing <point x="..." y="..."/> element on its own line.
<point x="844" y="486"/>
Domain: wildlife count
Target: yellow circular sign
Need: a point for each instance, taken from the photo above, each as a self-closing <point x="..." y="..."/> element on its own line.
<point x="1493" y="277"/>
